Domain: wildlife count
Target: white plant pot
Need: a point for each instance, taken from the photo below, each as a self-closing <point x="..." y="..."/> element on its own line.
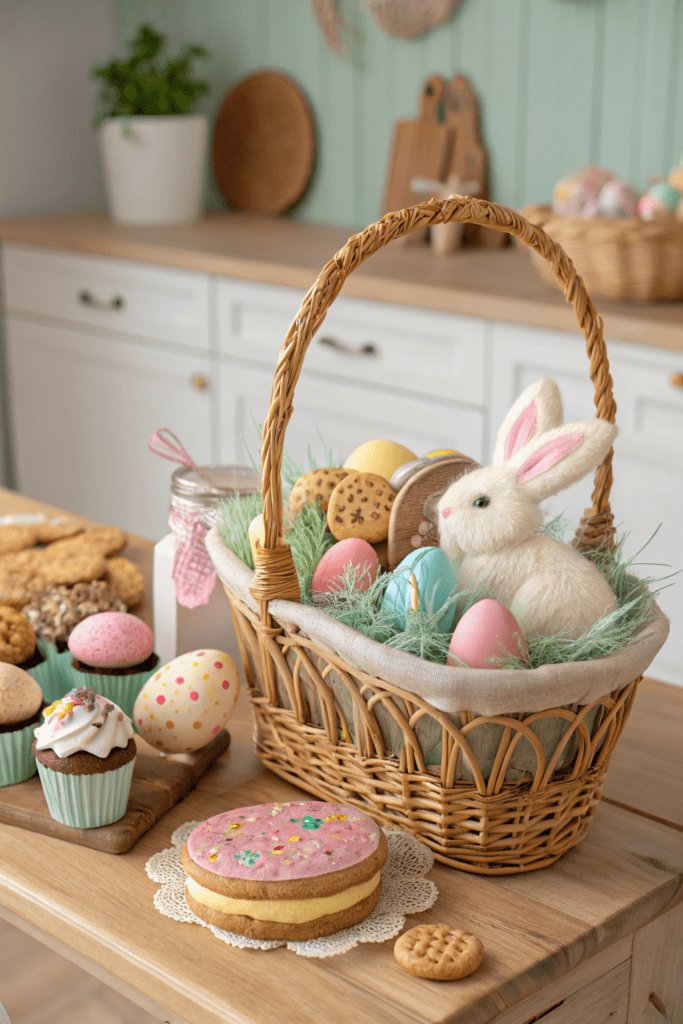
<point x="155" y="167"/>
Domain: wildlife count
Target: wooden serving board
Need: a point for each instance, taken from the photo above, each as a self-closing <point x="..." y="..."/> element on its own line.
<point x="158" y="784"/>
<point x="420" y="149"/>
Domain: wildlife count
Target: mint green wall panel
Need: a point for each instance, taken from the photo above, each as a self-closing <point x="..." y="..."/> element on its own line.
<point x="561" y="84"/>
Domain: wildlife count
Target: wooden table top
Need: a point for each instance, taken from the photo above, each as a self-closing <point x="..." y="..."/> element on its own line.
<point x="98" y="910"/>
<point x="499" y="284"/>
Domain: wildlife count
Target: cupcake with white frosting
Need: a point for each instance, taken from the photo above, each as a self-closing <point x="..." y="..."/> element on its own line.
<point x="21" y="700"/>
<point x="85" y="753"/>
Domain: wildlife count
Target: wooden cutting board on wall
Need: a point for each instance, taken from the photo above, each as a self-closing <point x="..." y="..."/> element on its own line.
<point x="420" y="149"/>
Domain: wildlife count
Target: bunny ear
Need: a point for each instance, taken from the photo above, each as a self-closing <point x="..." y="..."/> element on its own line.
<point x="537" y="410"/>
<point x="560" y="457"/>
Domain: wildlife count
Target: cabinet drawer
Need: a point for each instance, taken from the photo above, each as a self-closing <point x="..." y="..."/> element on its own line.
<point x="381" y="344"/>
<point x="114" y="295"/>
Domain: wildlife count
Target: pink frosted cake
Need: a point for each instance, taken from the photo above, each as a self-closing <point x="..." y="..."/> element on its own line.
<point x="290" y="871"/>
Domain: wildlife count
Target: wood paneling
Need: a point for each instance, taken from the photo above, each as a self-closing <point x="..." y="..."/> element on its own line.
<point x="561" y="83"/>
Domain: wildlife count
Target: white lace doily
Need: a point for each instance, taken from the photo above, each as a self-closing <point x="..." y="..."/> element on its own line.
<point x="405" y="890"/>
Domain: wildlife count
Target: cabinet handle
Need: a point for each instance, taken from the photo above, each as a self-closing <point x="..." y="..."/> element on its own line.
<point x="88" y="299"/>
<point x="676" y="380"/>
<point x="199" y="382"/>
<point x="365" y="349"/>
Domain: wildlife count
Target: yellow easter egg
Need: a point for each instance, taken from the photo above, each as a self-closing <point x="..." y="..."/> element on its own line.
<point x="186" y="703"/>
<point x="441" y="451"/>
<point x="256" y="532"/>
<point x="380" y="457"/>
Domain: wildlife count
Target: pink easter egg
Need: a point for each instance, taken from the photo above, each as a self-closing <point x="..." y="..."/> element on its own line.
<point x="330" y="569"/>
<point x="487" y="630"/>
<point x="111" y="640"/>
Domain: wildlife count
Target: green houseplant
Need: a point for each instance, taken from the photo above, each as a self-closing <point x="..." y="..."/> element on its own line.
<point x="153" y="146"/>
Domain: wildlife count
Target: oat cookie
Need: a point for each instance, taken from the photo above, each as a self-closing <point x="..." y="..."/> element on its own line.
<point x="71" y="565"/>
<point x="126" y="580"/>
<point x="57" y="529"/>
<point x="317" y="485"/>
<point x="19" y="578"/>
<point x="438" y="952"/>
<point x="55" y="611"/>
<point x="360" y="506"/>
<point x="106" y="540"/>
<point x="17" y="638"/>
<point x="16" y="538"/>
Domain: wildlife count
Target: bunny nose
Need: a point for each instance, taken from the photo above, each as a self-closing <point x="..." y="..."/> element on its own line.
<point x="445" y="512"/>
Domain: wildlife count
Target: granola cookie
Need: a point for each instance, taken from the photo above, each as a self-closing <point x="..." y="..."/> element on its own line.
<point x="438" y="952"/>
<point x="106" y="540"/>
<point x="57" y="529"/>
<point x="17" y="637"/>
<point x="16" y="538"/>
<point x="20" y="577"/>
<point x="125" y="579"/>
<point x="55" y="611"/>
<point x="71" y="565"/>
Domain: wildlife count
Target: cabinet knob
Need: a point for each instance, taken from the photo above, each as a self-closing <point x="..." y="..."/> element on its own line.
<point x="199" y="382"/>
<point x="88" y="299"/>
<point x="676" y="380"/>
<point x="365" y="349"/>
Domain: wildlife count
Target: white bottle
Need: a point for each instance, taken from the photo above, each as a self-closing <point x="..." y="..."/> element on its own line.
<point x="178" y="629"/>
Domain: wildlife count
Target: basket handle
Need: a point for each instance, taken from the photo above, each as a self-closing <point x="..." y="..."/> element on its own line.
<point x="275" y="575"/>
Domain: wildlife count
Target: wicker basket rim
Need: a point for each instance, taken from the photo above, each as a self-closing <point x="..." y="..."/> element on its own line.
<point x="619" y="229"/>
<point x="450" y="689"/>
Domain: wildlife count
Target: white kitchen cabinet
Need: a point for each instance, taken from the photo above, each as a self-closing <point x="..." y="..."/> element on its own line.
<point x="647" y="492"/>
<point x="83" y="408"/>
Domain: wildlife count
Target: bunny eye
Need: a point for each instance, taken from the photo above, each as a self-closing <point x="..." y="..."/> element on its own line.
<point x="482" y="502"/>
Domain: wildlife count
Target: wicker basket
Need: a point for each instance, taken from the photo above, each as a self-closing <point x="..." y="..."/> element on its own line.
<point x="617" y="258"/>
<point x="508" y="788"/>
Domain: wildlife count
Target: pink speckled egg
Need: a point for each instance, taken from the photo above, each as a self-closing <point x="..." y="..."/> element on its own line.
<point x="185" y="704"/>
<point x="488" y="630"/>
<point x="353" y="552"/>
<point x="111" y="640"/>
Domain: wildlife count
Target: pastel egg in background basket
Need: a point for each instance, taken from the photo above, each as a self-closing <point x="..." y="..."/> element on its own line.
<point x="188" y="701"/>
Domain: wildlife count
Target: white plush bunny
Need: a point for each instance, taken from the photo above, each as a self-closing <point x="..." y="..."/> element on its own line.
<point x="489" y="518"/>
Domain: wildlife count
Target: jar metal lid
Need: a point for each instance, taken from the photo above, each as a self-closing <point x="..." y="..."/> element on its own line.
<point x="190" y="487"/>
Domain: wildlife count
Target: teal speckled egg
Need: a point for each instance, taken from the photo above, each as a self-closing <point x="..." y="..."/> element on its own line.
<point x="434" y="581"/>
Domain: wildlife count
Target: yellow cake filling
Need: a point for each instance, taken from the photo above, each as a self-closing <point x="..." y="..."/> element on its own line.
<point x="283" y="911"/>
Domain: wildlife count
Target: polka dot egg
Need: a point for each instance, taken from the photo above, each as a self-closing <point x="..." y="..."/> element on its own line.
<point x="185" y="704"/>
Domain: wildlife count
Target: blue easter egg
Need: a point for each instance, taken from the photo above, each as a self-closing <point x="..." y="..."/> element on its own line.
<point x="435" y="580"/>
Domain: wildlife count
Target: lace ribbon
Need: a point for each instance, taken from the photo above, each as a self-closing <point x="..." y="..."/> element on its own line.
<point x="405" y="890"/>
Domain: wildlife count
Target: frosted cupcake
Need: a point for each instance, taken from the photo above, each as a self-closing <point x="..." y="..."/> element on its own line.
<point x="114" y="653"/>
<point x="21" y="701"/>
<point x="85" y="752"/>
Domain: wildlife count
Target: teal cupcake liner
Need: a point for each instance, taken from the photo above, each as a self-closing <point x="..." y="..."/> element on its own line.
<point x="17" y="762"/>
<point x="53" y="675"/>
<point x="122" y="690"/>
<point x="87" y="801"/>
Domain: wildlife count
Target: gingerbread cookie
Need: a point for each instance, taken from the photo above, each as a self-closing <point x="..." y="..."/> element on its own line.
<point x="125" y="579"/>
<point x="17" y="638"/>
<point x="438" y="952"/>
<point x="317" y="485"/>
<point x="360" y="506"/>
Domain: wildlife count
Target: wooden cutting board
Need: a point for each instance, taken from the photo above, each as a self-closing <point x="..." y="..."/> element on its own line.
<point x="158" y="784"/>
<point x="420" y="149"/>
<point x="263" y="144"/>
<point x="467" y="155"/>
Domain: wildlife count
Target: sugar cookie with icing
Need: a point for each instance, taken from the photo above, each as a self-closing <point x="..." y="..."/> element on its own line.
<point x="288" y="871"/>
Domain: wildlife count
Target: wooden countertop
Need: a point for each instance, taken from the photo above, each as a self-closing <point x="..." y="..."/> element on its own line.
<point x="498" y="284"/>
<point x="539" y="929"/>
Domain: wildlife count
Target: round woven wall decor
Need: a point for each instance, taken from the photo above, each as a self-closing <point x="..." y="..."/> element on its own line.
<point x="263" y="144"/>
<point x="408" y="18"/>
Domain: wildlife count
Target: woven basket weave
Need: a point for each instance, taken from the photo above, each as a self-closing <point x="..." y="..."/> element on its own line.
<point x="495" y="793"/>
<point x="617" y="258"/>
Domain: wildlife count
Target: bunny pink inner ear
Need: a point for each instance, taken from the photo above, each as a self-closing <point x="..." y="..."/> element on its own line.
<point x="547" y="455"/>
<point x="521" y="430"/>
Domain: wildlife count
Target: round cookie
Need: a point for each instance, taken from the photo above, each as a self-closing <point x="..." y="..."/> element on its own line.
<point x="20" y="578"/>
<point x="287" y="871"/>
<point x="105" y="540"/>
<point x="16" y="538"/>
<point x="48" y="532"/>
<point x="439" y="953"/>
<point x="17" y="637"/>
<point x="360" y="506"/>
<point x="125" y="579"/>
<point x="70" y="565"/>
<point x="317" y="485"/>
